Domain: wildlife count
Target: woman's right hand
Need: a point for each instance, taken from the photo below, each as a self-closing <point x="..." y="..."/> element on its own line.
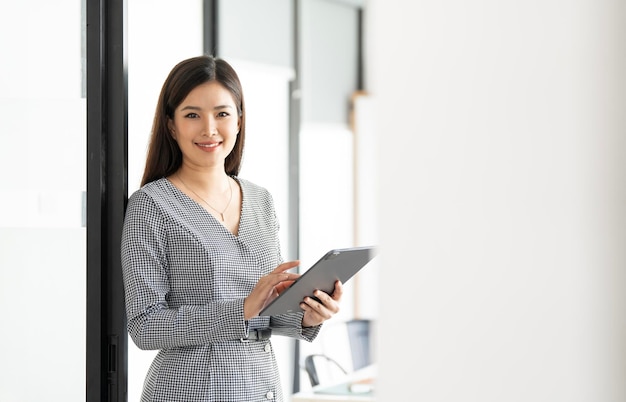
<point x="268" y="288"/>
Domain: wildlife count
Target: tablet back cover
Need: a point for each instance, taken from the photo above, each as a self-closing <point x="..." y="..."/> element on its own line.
<point x="337" y="264"/>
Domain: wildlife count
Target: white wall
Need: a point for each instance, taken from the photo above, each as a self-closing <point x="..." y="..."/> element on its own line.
<point x="502" y="155"/>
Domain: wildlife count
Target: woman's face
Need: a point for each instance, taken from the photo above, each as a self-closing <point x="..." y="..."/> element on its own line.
<point x="206" y="125"/>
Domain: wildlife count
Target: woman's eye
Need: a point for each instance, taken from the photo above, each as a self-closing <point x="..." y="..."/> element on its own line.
<point x="223" y="114"/>
<point x="192" y="115"/>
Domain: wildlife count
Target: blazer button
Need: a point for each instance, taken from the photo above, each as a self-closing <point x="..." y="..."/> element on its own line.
<point x="269" y="395"/>
<point x="268" y="348"/>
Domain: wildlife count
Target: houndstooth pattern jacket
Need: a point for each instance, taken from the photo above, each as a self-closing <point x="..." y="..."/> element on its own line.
<point x="185" y="278"/>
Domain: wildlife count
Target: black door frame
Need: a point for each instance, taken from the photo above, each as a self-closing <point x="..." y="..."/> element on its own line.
<point x="107" y="190"/>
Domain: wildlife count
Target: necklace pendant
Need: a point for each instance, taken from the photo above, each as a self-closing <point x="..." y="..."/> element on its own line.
<point x="230" y="187"/>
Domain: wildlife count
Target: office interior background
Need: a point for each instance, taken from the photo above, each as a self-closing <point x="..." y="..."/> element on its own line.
<point x="493" y="159"/>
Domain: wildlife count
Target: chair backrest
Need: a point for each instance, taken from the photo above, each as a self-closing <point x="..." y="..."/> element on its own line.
<point x="322" y="369"/>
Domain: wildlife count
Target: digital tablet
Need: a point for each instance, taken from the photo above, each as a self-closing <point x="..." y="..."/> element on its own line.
<point x="337" y="264"/>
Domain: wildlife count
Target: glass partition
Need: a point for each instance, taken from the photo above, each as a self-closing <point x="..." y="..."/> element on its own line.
<point x="42" y="221"/>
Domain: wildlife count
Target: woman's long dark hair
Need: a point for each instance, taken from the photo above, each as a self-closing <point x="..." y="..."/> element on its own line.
<point x="164" y="156"/>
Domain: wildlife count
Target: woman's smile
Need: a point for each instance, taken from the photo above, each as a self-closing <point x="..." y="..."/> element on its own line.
<point x="208" y="146"/>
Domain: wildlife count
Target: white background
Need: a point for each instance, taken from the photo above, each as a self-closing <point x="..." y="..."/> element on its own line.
<point x="501" y="133"/>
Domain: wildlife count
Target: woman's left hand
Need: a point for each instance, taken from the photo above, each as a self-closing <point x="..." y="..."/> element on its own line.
<point x="316" y="312"/>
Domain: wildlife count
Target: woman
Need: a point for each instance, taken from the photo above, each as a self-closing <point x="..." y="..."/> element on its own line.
<point x="201" y="253"/>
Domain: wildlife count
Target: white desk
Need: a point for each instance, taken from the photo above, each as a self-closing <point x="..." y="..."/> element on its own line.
<point x="326" y="393"/>
<point x="310" y="396"/>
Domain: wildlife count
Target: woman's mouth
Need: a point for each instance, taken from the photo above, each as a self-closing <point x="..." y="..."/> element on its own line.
<point x="208" y="145"/>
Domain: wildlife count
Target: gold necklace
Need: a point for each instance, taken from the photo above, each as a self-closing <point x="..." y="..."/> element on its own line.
<point x="210" y="206"/>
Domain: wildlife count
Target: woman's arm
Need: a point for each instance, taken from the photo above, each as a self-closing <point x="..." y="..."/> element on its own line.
<point x="152" y="322"/>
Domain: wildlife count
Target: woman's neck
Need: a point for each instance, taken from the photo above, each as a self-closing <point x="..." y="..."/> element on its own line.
<point x="208" y="181"/>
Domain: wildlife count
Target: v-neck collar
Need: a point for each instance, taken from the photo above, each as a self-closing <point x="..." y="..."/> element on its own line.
<point x="211" y="216"/>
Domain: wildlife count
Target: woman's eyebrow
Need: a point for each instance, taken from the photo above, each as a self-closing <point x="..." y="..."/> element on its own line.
<point x="190" y="108"/>
<point x="218" y="107"/>
<point x="221" y="107"/>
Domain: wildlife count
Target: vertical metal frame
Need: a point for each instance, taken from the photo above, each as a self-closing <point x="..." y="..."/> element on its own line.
<point x="360" y="85"/>
<point x="107" y="190"/>
<point x="210" y="25"/>
<point x="294" y="167"/>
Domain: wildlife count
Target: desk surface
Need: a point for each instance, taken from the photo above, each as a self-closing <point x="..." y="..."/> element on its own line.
<point x="360" y="381"/>
<point x="310" y="396"/>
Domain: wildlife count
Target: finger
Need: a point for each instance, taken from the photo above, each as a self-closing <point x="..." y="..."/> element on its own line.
<point x="286" y="266"/>
<point x="283" y="285"/>
<point x="279" y="281"/>
<point x="324" y="297"/>
<point x="306" y="307"/>
<point x="310" y="311"/>
<point x="314" y="307"/>
<point x="327" y="302"/>
<point x="286" y="278"/>
<point x="338" y="292"/>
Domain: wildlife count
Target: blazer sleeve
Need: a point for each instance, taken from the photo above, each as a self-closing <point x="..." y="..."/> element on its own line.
<point x="291" y="325"/>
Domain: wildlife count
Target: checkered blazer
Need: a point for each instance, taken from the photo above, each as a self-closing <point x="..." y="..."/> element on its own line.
<point x="185" y="279"/>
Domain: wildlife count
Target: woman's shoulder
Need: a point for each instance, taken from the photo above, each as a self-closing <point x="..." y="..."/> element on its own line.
<point x="155" y="190"/>
<point x="255" y="194"/>
<point x="251" y="188"/>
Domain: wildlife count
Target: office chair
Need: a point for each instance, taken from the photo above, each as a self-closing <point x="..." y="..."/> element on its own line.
<point x="321" y="368"/>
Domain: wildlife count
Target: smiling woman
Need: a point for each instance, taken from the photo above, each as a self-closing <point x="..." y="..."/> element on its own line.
<point x="196" y="278"/>
<point x="274" y="63"/>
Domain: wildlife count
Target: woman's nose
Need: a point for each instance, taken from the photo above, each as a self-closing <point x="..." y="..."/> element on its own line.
<point x="211" y="126"/>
